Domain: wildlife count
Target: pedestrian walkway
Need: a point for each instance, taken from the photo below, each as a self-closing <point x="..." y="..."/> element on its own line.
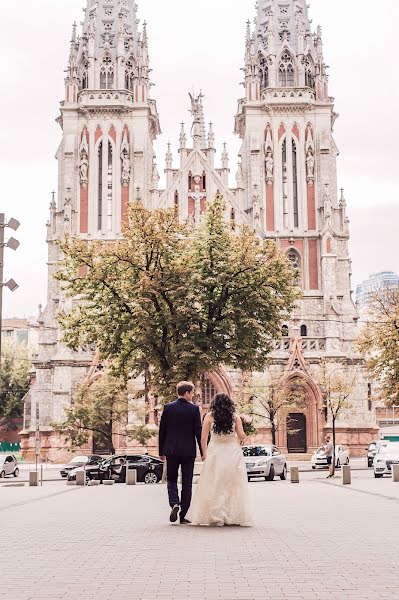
<point x="312" y="541"/>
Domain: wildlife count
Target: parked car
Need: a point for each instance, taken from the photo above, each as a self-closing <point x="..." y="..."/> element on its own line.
<point x="385" y="458"/>
<point x="375" y="448"/>
<point x="80" y="461"/>
<point x="149" y="469"/>
<point x="319" y="458"/>
<point x="265" y="461"/>
<point x="8" y="465"/>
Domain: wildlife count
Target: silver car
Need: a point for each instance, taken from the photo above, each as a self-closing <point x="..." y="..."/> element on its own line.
<point x="8" y="465"/>
<point x="265" y="461"/>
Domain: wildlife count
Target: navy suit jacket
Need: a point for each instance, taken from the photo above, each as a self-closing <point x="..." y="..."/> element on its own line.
<point x="180" y="428"/>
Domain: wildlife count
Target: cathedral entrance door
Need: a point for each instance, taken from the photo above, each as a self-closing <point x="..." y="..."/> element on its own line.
<point x="296" y="433"/>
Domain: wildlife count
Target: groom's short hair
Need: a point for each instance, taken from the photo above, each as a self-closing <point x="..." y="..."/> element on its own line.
<point x="183" y="387"/>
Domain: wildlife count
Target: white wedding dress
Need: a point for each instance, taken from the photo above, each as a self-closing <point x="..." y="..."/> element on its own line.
<point x="222" y="495"/>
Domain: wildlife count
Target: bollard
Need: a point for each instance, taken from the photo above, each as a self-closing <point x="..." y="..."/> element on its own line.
<point x="81" y="478"/>
<point x="294" y="471"/>
<point x="33" y="478"/>
<point x="41" y="474"/>
<point x="131" y="477"/>
<point x="94" y="482"/>
<point x="346" y="475"/>
<point x="395" y="473"/>
<point x="108" y="482"/>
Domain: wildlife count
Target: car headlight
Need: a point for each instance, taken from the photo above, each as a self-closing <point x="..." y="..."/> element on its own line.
<point x="380" y="460"/>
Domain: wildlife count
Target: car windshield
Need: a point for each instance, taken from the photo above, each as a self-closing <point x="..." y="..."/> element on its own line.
<point x="256" y="451"/>
<point x="390" y="449"/>
<point x="79" y="459"/>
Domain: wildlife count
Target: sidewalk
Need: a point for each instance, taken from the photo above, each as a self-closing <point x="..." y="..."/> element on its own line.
<point x="312" y="541"/>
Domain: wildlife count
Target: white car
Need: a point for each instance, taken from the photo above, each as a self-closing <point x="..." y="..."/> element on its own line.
<point x="265" y="461"/>
<point x="8" y="465"/>
<point x="386" y="457"/>
<point x="319" y="458"/>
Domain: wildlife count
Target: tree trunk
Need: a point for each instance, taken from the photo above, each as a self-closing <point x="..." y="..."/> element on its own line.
<point x="333" y="459"/>
<point x="273" y="433"/>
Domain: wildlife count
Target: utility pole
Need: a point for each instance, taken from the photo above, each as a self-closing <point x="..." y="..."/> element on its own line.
<point x="13" y="244"/>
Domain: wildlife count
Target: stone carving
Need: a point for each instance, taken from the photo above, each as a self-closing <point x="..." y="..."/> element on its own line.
<point x="84" y="160"/>
<point x="195" y="216"/>
<point x="196" y="128"/>
<point x="269" y="160"/>
<point x="310" y="162"/>
<point x="256" y="210"/>
<point x="68" y="212"/>
<point x="125" y="158"/>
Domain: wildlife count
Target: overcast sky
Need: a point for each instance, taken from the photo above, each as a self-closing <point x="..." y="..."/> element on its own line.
<point x="199" y="45"/>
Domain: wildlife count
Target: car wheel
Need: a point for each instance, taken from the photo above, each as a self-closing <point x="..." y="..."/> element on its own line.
<point x="283" y="475"/>
<point x="313" y="467"/>
<point x="347" y="461"/>
<point x="16" y="472"/>
<point x="338" y="464"/>
<point x="377" y="475"/>
<point x="369" y="463"/>
<point x="151" y="478"/>
<point x="270" y="477"/>
<point x="2" y="474"/>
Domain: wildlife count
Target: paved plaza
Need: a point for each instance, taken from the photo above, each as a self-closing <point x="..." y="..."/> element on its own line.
<point x="315" y="540"/>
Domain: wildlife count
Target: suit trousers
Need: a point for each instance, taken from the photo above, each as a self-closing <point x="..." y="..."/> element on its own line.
<point x="187" y="470"/>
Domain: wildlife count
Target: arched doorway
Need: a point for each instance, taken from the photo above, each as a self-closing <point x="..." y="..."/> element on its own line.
<point x="296" y="433"/>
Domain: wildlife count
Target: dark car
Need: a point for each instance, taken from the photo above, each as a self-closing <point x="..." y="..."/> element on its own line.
<point x="149" y="469"/>
<point x="80" y="461"/>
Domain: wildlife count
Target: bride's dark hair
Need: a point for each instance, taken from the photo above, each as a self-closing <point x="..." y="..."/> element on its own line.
<point x="223" y="410"/>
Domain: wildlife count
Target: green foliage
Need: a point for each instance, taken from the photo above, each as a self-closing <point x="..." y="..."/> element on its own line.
<point x="14" y="381"/>
<point x="379" y="342"/>
<point x="180" y="300"/>
<point x="102" y="409"/>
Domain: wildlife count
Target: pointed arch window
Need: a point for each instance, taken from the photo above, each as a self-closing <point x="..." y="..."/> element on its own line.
<point x="176" y="202"/>
<point x="233" y="219"/>
<point x="294" y="258"/>
<point x="100" y="188"/>
<point x="130" y="75"/>
<point x="107" y="74"/>
<point x="285" y="182"/>
<point x="309" y="73"/>
<point x="84" y="75"/>
<point x="284" y="331"/>
<point x="190" y="182"/>
<point x="286" y="70"/>
<point x="203" y="181"/>
<point x="208" y="390"/>
<point x="295" y="183"/>
<point x="264" y="73"/>
<point x="304" y="331"/>
<point x="109" y="186"/>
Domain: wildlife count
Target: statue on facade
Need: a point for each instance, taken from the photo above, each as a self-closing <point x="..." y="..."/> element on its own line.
<point x="256" y="210"/>
<point x="84" y="161"/>
<point x="68" y="212"/>
<point x="125" y="158"/>
<point x="196" y="113"/>
<point x="310" y="163"/>
<point x="269" y="162"/>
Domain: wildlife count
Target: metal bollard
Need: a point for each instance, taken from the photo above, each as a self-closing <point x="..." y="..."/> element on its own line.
<point x="33" y="478"/>
<point x="346" y="475"/>
<point x="131" y="477"/>
<point x="395" y="473"/>
<point x="294" y="471"/>
<point x="81" y="478"/>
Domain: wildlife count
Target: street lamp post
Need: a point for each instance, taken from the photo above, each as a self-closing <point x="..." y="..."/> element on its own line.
<point x="13" y="244"/>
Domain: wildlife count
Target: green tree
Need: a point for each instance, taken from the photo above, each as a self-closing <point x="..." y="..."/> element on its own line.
<point x="337" y="382"/>
<point x="101" y="409"/>
<point x="177" y="300"/>
<point x="379" y="342"/>
<point x="14" y="381"/>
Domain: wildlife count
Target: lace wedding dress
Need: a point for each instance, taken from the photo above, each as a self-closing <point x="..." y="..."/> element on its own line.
<point x="222" y="496"/>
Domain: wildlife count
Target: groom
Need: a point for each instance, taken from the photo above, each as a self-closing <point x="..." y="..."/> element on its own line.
<point x="180" y="428"/>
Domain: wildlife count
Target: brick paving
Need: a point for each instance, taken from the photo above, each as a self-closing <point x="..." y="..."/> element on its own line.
<point x="312" y="541"/>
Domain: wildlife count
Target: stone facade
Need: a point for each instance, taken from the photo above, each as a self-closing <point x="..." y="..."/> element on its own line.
<point x="286" y="188"/>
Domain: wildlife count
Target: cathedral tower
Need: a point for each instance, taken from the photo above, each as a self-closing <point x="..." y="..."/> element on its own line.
<point x="105" y="160"/>
<point x="289" y="178"/>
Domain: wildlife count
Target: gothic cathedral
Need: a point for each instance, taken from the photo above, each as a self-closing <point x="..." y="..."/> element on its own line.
<point x="286" y="188"/>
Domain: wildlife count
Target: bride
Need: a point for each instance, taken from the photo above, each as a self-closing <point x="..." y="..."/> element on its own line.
<point x="222" y="496"/>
